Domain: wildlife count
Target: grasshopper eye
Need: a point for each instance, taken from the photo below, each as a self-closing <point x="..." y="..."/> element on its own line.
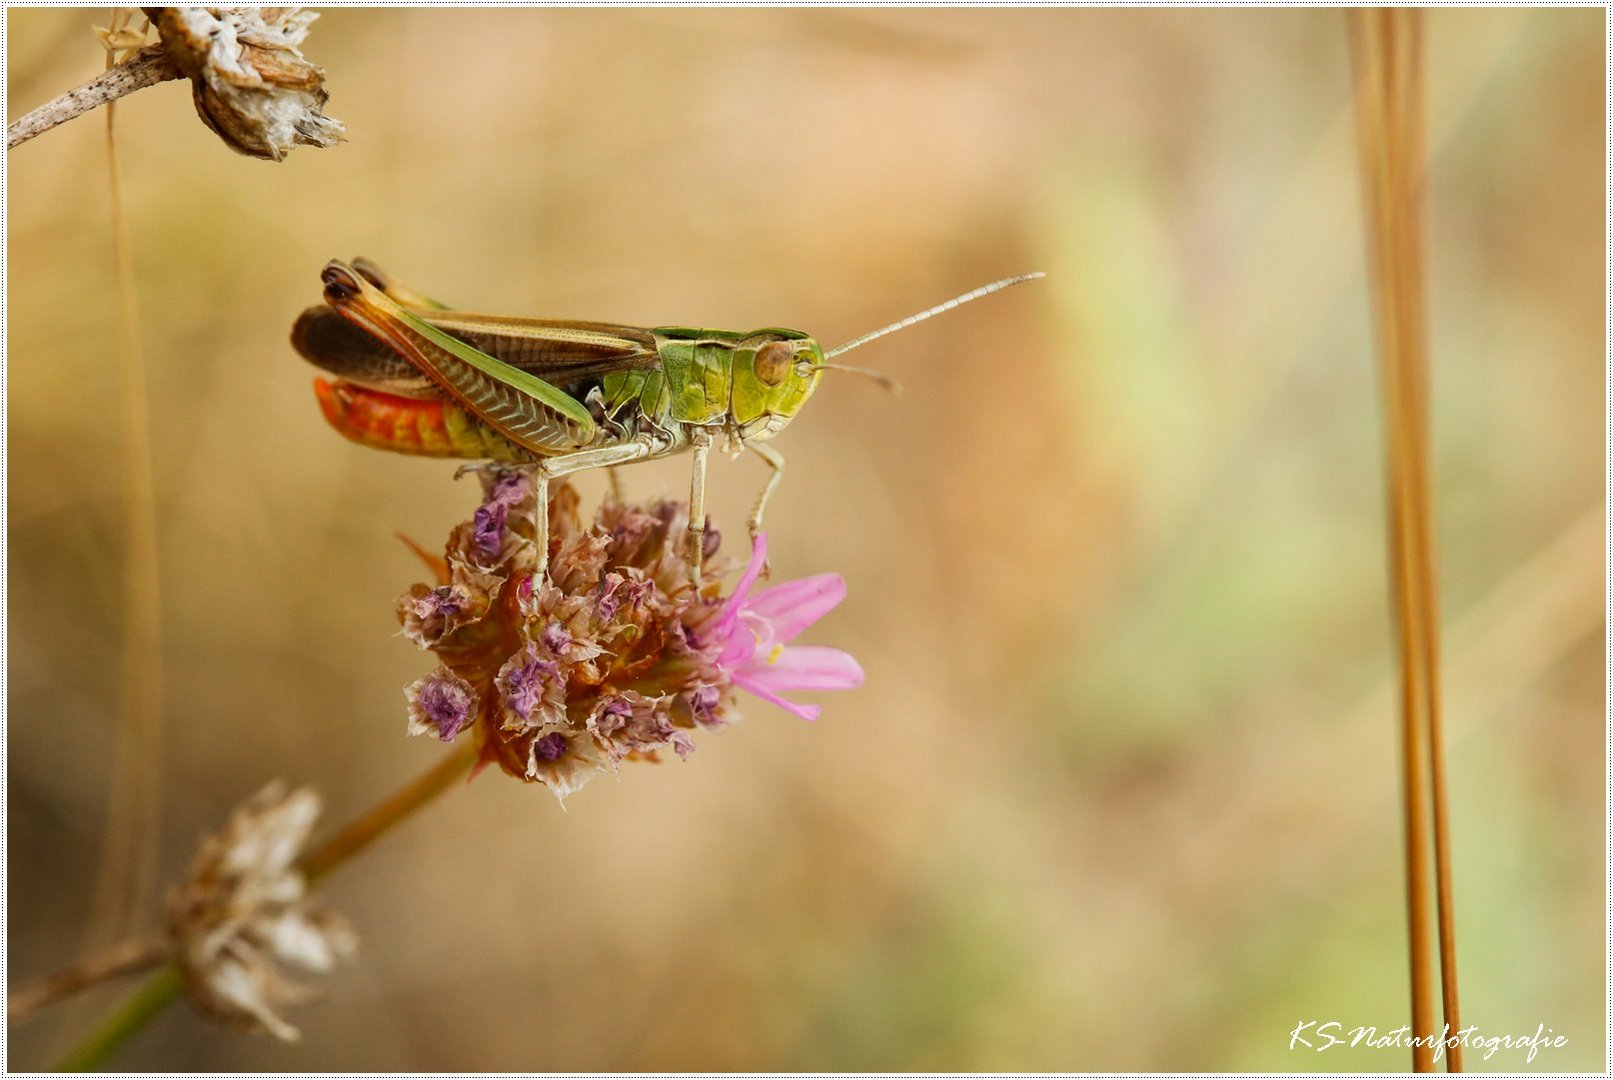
<point x="773" y="362"/>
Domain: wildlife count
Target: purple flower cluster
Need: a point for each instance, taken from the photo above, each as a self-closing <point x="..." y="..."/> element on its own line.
<point x="613" y="655"/>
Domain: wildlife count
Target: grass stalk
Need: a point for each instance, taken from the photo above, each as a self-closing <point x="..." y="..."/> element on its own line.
<point x="1386" y="47"/>
<point x="127" y="877"/>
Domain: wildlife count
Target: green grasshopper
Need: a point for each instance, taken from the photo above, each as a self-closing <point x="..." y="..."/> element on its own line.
<point x="415" y="377"/>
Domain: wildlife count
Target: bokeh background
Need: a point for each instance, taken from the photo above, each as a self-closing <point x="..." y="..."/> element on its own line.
<point x="1120" y="792"/>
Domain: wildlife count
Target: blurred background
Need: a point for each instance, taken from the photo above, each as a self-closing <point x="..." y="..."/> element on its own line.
<point x="1121" y="790"/>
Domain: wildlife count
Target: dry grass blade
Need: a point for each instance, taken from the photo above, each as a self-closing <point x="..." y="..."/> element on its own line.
<point x="126" y="882"/>
<point x="1386" y="46"/>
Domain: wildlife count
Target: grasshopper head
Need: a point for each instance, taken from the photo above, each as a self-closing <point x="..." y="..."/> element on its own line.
<point x="775" y="371"/>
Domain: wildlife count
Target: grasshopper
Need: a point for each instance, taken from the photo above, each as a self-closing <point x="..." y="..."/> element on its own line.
<point x="417" y="377"/>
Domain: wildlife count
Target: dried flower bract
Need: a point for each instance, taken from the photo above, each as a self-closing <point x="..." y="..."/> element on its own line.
<point x="242" y="916"/>
<point x="251" y="83"/>
<point x="614" y="656"/>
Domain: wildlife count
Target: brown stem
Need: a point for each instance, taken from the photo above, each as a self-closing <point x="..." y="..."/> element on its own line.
<point x="1375" y="87"/>
<point x="1412" y="196"/>
<point x="1387" y="49"/>
<point x="125" y="958"/>
<point x="147" y="67"/>
<point x="363" y="832"/>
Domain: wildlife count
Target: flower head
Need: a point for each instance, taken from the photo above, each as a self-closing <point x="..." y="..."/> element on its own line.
<point x="611" y="656"/>
<point x="241" y="916"/>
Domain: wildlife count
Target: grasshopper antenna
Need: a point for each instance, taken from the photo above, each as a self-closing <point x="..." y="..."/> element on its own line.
<point x="939" y="309"/>
<point x="868" y="373"/>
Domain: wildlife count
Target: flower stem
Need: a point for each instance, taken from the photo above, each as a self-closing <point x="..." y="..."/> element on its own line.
<point x="145" y="1003"/>
<point x="134" y="1013"/>
<point x="147" y="67"/>
<point x="363" y="832"/>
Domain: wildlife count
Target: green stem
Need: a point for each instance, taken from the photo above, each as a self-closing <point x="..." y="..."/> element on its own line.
<point x="132" y="1014"/>
<point x="144" y="1004"/>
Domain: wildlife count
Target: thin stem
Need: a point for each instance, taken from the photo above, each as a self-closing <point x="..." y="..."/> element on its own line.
<point x="148" y="67"/>
<point x="367" y="829"/>
<point x="1370" y="89"/>
<point x="134" y="1013"/>
<point x="128" y="876"/>
<point x="1414" y="199"/>
<point x="144" y="1005"/>
<point x="125" y="958"/>
<point x="1387" y="50"/>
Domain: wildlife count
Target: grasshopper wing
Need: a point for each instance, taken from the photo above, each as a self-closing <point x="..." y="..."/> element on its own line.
<point x="559" y="351"/>
<point x="522" y="407"/>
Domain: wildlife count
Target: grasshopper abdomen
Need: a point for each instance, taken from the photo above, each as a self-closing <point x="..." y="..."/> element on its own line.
<point x="426" y="427"/>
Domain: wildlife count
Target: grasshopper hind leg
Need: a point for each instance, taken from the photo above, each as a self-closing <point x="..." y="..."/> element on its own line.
<point x="392" y="287"/>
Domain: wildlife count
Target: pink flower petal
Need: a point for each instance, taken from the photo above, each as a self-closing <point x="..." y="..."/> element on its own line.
<point x="739" y="645"/>
<point x="796" y="605"/>
<point x="805" y="712"/>
<point x="742" y="588"/>
<point x="805" y="667"/>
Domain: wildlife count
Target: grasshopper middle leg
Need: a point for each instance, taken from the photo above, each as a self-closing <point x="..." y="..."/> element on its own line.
<point x="700" y="440"/>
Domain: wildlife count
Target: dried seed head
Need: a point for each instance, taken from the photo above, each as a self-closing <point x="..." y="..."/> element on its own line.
<point x="441" y="704"/>
<point x="612" y="657"/>
<point x="241" y="917"/>
<point x="251" y="83"/>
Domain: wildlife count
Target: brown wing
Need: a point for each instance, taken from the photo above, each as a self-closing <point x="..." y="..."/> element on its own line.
<point x="555" y="350"/>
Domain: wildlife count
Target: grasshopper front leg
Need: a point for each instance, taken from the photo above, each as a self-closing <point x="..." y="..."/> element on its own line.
<point x="775" y="461"/>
